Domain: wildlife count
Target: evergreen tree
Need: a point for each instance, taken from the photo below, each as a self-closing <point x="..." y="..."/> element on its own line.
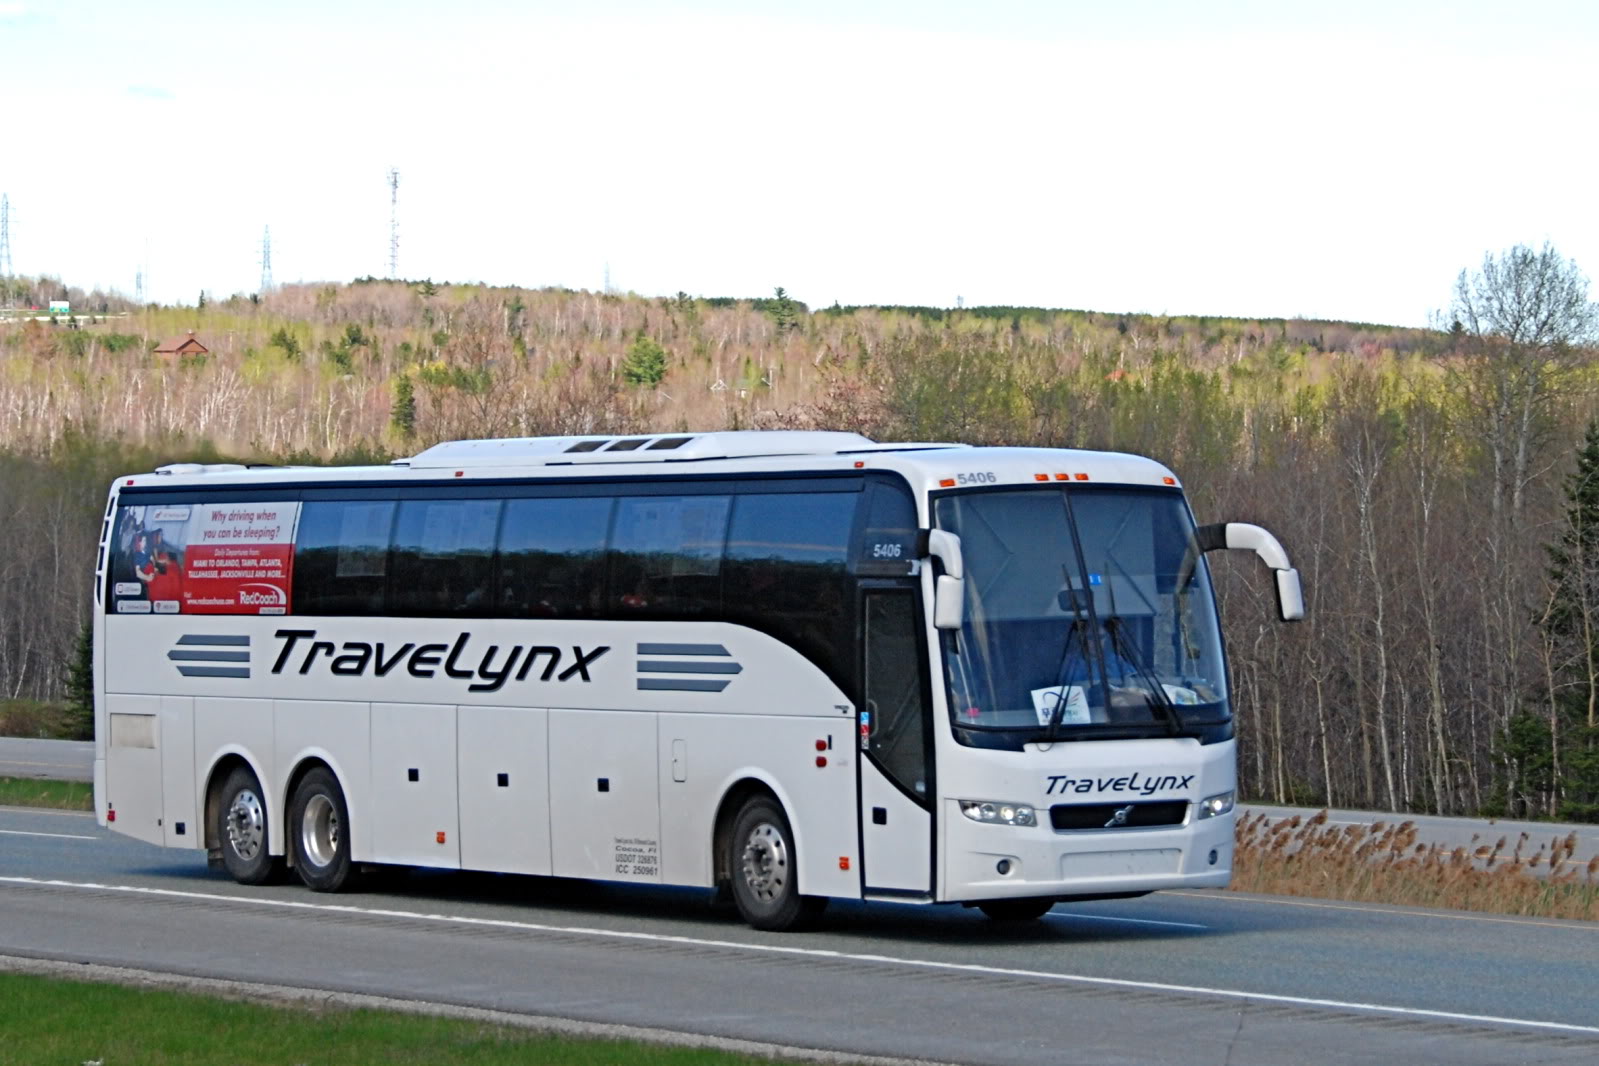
<point x="784" y="310"/>
<point x="80" y="685"/>
<point x="645" y="363"/>
<point x="1564" y="750"/>
<point x="402" y="414"/>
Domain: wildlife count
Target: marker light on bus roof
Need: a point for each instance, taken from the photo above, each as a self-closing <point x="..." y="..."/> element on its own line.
<point x="1082" y="477"/>
<point x="1040" y="477"/>
<point x="946" y="482"/>
<point x="1063" y="477"/>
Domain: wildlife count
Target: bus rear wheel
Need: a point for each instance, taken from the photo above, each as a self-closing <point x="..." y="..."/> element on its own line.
<point x="319" y="832"/>
<point x="765" y="876"/>
<point x="1016" y="910"/>
<point x="242" y="830"/>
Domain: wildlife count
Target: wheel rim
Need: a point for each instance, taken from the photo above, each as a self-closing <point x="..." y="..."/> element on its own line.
<point x="246" y="824"/>
<point x="765" y="862"/>
<point x="319" y="830"/>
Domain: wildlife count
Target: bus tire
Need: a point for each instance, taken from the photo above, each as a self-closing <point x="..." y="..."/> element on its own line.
<point x="765" y="876"/>
<point x="1016" y="910"/>
<point x="242" y="830"/>
<point x="319" y="832"/>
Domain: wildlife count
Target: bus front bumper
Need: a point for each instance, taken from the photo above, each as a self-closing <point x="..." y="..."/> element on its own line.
<point x="984" y="862"/>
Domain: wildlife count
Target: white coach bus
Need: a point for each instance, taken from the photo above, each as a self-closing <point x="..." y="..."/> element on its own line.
<point x="791" y="665"/>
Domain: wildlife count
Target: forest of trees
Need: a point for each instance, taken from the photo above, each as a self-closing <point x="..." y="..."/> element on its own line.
<point x="1438" y="489"/>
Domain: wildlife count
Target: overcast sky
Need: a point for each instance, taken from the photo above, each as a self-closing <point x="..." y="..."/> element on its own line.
<point x="1228" y="158"/>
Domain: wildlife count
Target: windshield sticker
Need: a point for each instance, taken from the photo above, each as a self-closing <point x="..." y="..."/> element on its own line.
<point x="1180" y="696"/>
<point x="1045" y="700"/>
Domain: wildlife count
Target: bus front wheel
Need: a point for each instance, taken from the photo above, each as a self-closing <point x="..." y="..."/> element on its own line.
<point x="761" y="862"/>
<point x="242" y="830"/>
<point x="319" y="832"/>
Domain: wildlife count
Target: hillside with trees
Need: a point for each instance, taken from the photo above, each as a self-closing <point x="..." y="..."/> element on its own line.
<point x="1436" y="487"/>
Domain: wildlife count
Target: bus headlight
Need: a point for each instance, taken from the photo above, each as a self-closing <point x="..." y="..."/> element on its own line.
<point x="1216" y="806"/>
<point x="997" y="813"/>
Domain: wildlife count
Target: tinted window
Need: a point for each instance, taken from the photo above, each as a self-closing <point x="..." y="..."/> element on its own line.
<point x="341" y="557"/>
<point x="887" y="543"/>
<point x="666" y="556"/>
<point x="894" y="693"/>
<point x="443" y="562"/>
<point x="785" y="572"/>
<point x="552" y="556"/>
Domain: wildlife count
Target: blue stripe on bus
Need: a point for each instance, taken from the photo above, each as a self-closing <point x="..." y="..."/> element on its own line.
<point x="214" y="671"/>
<point x="219" y="640"/>
<point x="210" y="656"/>
<point x="664" y="684"/>
<point x="682" y="649"/>
<point x="665" y="666"/>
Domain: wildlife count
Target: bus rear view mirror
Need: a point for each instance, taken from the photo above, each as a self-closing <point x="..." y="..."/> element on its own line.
<point x="949" y="602"/>
<point x="1244" y="536"/>
<point x="949" y="590"/>
<point x="1290" y="597"/>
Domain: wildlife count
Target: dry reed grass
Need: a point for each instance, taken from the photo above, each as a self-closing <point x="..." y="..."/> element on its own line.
<point x="1384" y="863"/>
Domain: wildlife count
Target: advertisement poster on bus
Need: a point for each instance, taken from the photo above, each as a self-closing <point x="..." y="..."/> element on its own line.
<point x="232" y="558"/>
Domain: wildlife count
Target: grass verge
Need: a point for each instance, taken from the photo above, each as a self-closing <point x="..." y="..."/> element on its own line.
<point x="81" y="1021"/>
<point x="39" y="792"/>
<point x="1383" y="863"/>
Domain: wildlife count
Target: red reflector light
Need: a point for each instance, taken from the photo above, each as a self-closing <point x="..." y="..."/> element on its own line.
<point x="1169" y="480"/>
<point x="821" y="745"/>
<point x="1063" y="477"/>
<point x="1040" y="477"/>
<point x="441" y="836"/>
<point x="110" y="815"/>
<point x="843" y="862"/>
<point x="946" y="482"/>
<point x="821" y="760"/>
<point x="1082" y="477"/>
<point x="460" y="473"/>
<point x="859" y="464"/>
<point x="130" y="481"/>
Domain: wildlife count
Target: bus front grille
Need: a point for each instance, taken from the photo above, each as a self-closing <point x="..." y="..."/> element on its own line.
<point x="1073" y="816"/>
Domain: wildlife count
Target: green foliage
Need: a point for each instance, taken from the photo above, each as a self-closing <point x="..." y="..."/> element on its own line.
<point x="80" y="685"/>
<point x="784" y="311"/>
<point x="287" y="343"/>
<point x="474" y="381"/>
<point x="645" y="363"/>
<point x="402" y="413"/>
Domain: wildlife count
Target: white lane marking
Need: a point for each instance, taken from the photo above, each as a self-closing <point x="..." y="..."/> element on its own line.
<point x="819" y="953"/>
<point x="12" y="809"/>
<point x="59" y="836"/>
<point x="1574" y="924"/>
<point x="1114" y="918"/>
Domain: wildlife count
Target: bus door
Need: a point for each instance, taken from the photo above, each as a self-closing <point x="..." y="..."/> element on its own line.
<point x="895" y="738"/>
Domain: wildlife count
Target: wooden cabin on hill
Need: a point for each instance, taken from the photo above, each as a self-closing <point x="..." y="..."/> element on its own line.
<point x="185" y="345"/>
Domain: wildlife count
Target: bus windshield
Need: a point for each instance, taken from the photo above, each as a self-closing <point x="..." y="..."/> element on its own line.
<point x="1089" y="614"/>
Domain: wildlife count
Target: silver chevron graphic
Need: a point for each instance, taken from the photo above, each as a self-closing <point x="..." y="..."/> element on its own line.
<point x="712" y="662"/>
<point x="201" y="655"/>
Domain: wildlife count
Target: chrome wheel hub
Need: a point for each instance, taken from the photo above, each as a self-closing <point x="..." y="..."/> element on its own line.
<point x="319" y="830"/>
<point x="246" y="825"/>
<point x="764" y="863"/>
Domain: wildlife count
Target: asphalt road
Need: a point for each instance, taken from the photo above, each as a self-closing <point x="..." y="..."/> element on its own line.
<point x="63" y="760"/>
<point x="1173" y="978"/>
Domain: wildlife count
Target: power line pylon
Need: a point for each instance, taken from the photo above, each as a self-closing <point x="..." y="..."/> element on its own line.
<point x="394" y="222"/>
<point x="6" y="269"/>
<point x="266" y="260"/>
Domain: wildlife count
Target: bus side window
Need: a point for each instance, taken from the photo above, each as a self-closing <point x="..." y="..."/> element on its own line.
<point x="341" y="557"/>
<point x="666" y="556"/>
<point x="886" y="544"/>
<point x="444" y="557"/>
<point x="785" y="572"/>
<point x="552" y="557"/>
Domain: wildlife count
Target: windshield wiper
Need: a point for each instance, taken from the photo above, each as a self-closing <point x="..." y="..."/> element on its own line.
<point x="1156" y="695"/>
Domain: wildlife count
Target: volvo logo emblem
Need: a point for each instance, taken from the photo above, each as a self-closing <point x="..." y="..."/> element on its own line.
<point x="1120" y="817"/>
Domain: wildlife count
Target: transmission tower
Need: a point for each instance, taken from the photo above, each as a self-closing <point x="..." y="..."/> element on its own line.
<point x="138" y="286"/>
<point x="266" y="260"/>
<point x="394" y="222"/>
<point x="6" y="269"/>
